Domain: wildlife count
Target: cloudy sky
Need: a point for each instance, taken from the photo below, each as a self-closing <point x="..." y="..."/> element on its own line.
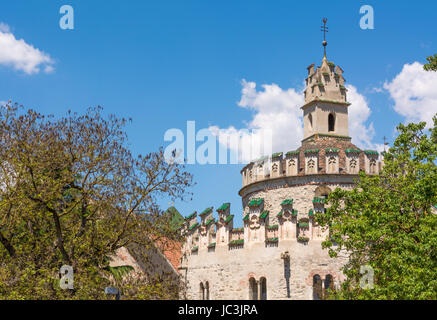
<point x="231" y="66"/>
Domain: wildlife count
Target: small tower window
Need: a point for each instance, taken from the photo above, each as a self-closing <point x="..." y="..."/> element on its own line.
<point x="201" y="292"/>
<point x="328" y="285"/>
<point x="207" y="291"/>
<point x="310" y="121"/>
<point x="263" y="284"/>
<point x="317" y="288"/>
<point x="253" y="289"/>
<point x="331" y="123"/>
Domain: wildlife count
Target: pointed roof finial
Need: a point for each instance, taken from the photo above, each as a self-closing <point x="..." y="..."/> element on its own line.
<point x="385" y="143"/>
<point x="324" y="29"/>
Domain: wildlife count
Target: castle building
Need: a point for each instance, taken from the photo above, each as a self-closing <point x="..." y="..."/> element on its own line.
<point x="278" y="252"/>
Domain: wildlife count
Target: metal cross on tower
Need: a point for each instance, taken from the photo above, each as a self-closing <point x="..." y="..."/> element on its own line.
<point x="324" y="29"/>
<point x="385" y="143"/>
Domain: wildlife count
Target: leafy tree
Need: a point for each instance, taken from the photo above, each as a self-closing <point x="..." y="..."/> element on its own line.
<point x="388" y="222"/>
<point x="432" y="63"/>
<point x="71" y="193"/>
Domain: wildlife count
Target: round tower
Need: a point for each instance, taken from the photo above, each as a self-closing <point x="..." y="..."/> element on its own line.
<point x="278" y="253"/>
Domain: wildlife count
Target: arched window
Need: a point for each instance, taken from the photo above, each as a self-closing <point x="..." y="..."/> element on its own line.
<point x="207" y="290"/>
<point x="322" y="192"/>
<point x="328" y="285"/>
<point x="317" y="288"/>
<point x="331" y="123"/>
<point x="263" y="284"/>
<point x="201" y="292"/>
<point x="253" y="289"/>
<point x="310" y="121"/>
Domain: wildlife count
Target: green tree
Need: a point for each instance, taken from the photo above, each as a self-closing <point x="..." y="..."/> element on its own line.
<point x="71" y="193"/>
<point x="389" y="222"/>
<point x="432" y="63"/>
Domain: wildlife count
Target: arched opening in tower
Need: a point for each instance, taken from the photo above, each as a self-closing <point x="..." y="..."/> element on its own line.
<point x="207" y="291"/>
<point x="331" y="123"/>
<point x="201" y="292"/>
<point x="253" y="289"/>
<point x="263" y="284"/>
<point x="317" y="287"/>
<point x="328" y="286"/>
<point x="310" y="120"/>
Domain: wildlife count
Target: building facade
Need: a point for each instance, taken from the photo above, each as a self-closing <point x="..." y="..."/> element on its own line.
<point x="278" y="252"/>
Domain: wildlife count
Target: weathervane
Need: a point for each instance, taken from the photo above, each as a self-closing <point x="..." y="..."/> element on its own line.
<point x="324" y="29"/>
<point x="385" y="143"/>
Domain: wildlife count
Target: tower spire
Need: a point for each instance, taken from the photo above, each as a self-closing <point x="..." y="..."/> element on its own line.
<point x="324" y="29"/>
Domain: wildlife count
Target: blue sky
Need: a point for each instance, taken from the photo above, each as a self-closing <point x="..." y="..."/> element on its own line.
<point x="165" y="62"/>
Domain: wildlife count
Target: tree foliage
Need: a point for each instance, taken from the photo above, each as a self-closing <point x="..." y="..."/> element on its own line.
<point x="389" y="222"/>
<point x="432" y="63"/>
<point x="72" y="193"/>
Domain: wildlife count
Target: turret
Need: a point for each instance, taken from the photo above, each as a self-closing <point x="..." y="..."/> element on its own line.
<point x="256" y="220"/>
<point x="224" y="223"/>
<point x="191" y="231"/>
<point x="287" y="218"/>
<point x="206" y="221"/>
<point x="325" y="110"/>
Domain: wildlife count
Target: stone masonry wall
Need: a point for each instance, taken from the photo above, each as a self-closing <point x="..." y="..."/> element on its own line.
<point x="227" y="269"/>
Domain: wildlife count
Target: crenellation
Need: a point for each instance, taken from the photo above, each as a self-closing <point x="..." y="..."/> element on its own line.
<point x="276" y="165"/>
<point x="371" y="162"/>
<point x="206" y="215"/>
<point x="282" y="221"/>
<point x="312" y="161"/>
<point x="333" y="160"/>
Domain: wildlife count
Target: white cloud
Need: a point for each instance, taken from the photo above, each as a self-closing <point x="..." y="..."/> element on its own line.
<point x="49" y="69"/>
<point x="4" y="28"/>
<point x="278" y="111"/>
<point x="359" y="112"/>
<point x="414" y="92"/>
<point x="21" y="55"/>
<point x="377" y="90"/>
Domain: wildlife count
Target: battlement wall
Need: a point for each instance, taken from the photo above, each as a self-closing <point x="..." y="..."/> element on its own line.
<point x="282" y="210"/>
<point x="318" y="155"/>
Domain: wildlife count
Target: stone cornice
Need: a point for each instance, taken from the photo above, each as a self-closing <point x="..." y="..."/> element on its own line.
<point x="346" y="104"/>
<point x="344" y="179"/>
<point x="327" y="135"/>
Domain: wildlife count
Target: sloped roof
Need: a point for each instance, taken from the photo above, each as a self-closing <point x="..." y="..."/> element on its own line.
<point x="172" y="250"/>
<point x="176" y="219"/>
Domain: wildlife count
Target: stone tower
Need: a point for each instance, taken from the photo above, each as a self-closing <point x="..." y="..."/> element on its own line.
<point x="325" y="109"/>
<point x="278" y="252"/>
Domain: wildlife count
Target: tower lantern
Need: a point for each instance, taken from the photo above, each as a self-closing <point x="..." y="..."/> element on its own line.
<point x="326" y="107"/>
